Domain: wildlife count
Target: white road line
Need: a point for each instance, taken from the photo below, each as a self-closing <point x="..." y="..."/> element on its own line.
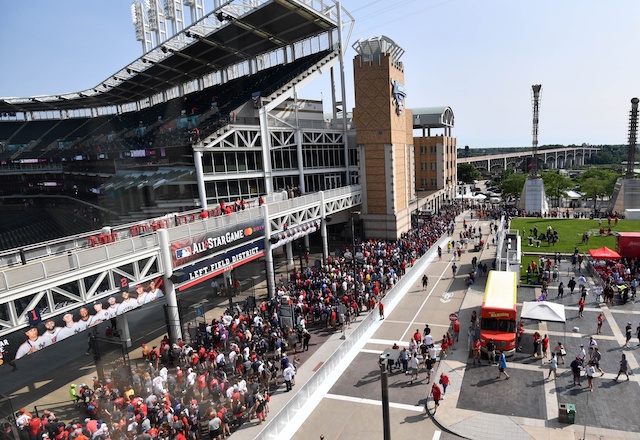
<point x="411" y="323"/>
<point x="415" y="408"/>
<point x="388" y="342"/>
<point x="422" y="305"/>
<point x="436" y="435"/>
<point x="410" y="326"/>
<point x="366" y="350"/>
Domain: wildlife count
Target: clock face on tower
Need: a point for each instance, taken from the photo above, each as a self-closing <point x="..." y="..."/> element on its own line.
<point x="398" y="95"/>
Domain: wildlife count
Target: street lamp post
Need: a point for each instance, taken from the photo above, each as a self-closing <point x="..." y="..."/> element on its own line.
<point x="386" y="421"/>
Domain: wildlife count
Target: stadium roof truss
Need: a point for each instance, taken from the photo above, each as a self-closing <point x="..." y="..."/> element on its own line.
<point x="234" y="33"/>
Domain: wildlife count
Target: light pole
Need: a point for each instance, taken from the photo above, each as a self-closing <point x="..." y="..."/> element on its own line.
<point x="385" y="397"/>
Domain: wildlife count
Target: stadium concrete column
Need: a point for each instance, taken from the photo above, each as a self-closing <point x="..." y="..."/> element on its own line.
<point x="123" y="328"/>
<point x="300" y="157"/>
<point x="268" y="253"/>
<point x="323" y="228"/>
<point x="202" y="191"/>
<point x="266" y="150"/>
<point x="344" y="95"/>
<point x="175" y="326"/>
<point x="289" y="248"/>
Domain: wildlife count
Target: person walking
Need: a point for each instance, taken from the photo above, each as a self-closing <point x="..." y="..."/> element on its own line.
<point x="627" y="333"/>
<point x="576" y="366"/>
<point x="414" y="367"/>
<point x="624" y="366"/>
<point x="454" y="269"/>
<point x="444" y="381"/>
<point x="436" y="393"/>
<point x="590" y="371"/>
<point x="600" y="321"/>
<point x="502" y="366"/>
<point x="560" y="352"/>
<point x="491" y="351"/>
<point x="553" y="366"/>
<point x="571" y="284"/>
<point x="456" y="330"/>
<point x="581" y="308"/>
<point x="476" y="352"/>
<point x="381" y="309"/>
<point x="425" y="282"/>
<point x="560" y="290"/>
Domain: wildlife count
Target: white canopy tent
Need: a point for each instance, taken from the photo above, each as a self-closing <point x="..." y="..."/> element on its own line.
<point x="543" y="311"/>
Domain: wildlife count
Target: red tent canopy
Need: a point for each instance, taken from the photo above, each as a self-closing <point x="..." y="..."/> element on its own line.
<point x="604" y="253"/>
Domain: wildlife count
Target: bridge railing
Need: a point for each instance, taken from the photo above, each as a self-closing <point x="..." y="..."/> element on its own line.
<point x="53" y="266"/>
<point x="57" y="259"/>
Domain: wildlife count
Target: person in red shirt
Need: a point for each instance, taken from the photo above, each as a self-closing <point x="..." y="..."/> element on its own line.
<point x="35" y="427"/>
<point x="444" y="381"/>
<point x="476" y="352"/>
<point x="581" y="307"/>
<point x="456" y="330"/>
<point x="436" y="393"/>
<point x="381" y="309"/>
<point x="444" y="344"/>
<point x="417" y="336"/>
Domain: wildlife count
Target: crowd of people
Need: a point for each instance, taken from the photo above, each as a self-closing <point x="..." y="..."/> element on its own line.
<point x="226" y="375"/>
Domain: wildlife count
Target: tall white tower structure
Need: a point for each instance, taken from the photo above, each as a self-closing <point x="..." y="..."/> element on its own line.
<point x="534" y="197"/>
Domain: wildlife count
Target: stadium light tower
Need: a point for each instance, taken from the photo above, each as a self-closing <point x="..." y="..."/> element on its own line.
<point x="535" y="96"/>
<point x="633" y="138"/>
<point x="141" y="25"/>
<point x="174" y="13"/>
<point x="157" y="21"/>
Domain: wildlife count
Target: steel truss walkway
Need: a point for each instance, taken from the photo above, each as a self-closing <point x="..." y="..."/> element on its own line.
<point x="61" y="276"/>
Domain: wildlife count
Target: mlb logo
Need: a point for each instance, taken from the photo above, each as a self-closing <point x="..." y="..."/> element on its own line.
<point x="183" y="253"/>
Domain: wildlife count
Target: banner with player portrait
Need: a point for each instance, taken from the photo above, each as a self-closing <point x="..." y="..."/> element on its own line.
<point x="45" y="332"/>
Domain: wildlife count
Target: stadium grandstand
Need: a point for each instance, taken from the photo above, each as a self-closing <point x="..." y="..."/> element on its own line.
<point x="206" y="115"/>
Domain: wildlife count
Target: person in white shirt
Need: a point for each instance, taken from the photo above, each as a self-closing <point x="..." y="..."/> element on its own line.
<point x="158" y="384"/>
<point x="51" y="332"/>
<point x="101" y="315"/>
<point x="68" y="329"/>
<point x="288" y="373"/>
<point x="113" y="307"/>
<point x="33" y="343"/>
<point x="191" y="378"/>
<point x="83" y="323"/>
<point x="428" y="340"/>
<point x="154" y="291"/>
<point x="127" y="303"/>
<point x="142" y="296"/>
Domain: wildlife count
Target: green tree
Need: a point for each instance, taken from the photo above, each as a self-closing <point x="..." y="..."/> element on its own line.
<point x="467" y="173"/>
<point x="512" y="184"/>
<point x="597" y="182"/>
<point x="555" y="184"/>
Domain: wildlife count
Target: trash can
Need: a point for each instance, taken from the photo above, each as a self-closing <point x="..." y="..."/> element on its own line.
<point x="567" y="413"/>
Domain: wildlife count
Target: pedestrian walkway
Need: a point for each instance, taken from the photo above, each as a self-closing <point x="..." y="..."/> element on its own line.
<point x="478" y="406"/>
<point x="342" y="400"/>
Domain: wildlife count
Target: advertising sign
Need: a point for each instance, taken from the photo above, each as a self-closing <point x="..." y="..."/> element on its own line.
<point x="211" y="267"/>
<point x="86" y="317"/>
<point x="195" y="248"/>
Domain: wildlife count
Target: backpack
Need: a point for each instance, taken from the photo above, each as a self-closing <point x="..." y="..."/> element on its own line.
<point x="153" y="356"/>
<point x="227" y="417"/>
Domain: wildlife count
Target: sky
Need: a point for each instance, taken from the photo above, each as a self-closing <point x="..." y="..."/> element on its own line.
<point x="478" y="57"/>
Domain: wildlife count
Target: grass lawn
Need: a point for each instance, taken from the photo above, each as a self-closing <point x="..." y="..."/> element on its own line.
<point x="570" y="233"/>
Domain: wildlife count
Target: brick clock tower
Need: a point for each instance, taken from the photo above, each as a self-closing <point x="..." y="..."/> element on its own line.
<point x="384" y="130"/>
